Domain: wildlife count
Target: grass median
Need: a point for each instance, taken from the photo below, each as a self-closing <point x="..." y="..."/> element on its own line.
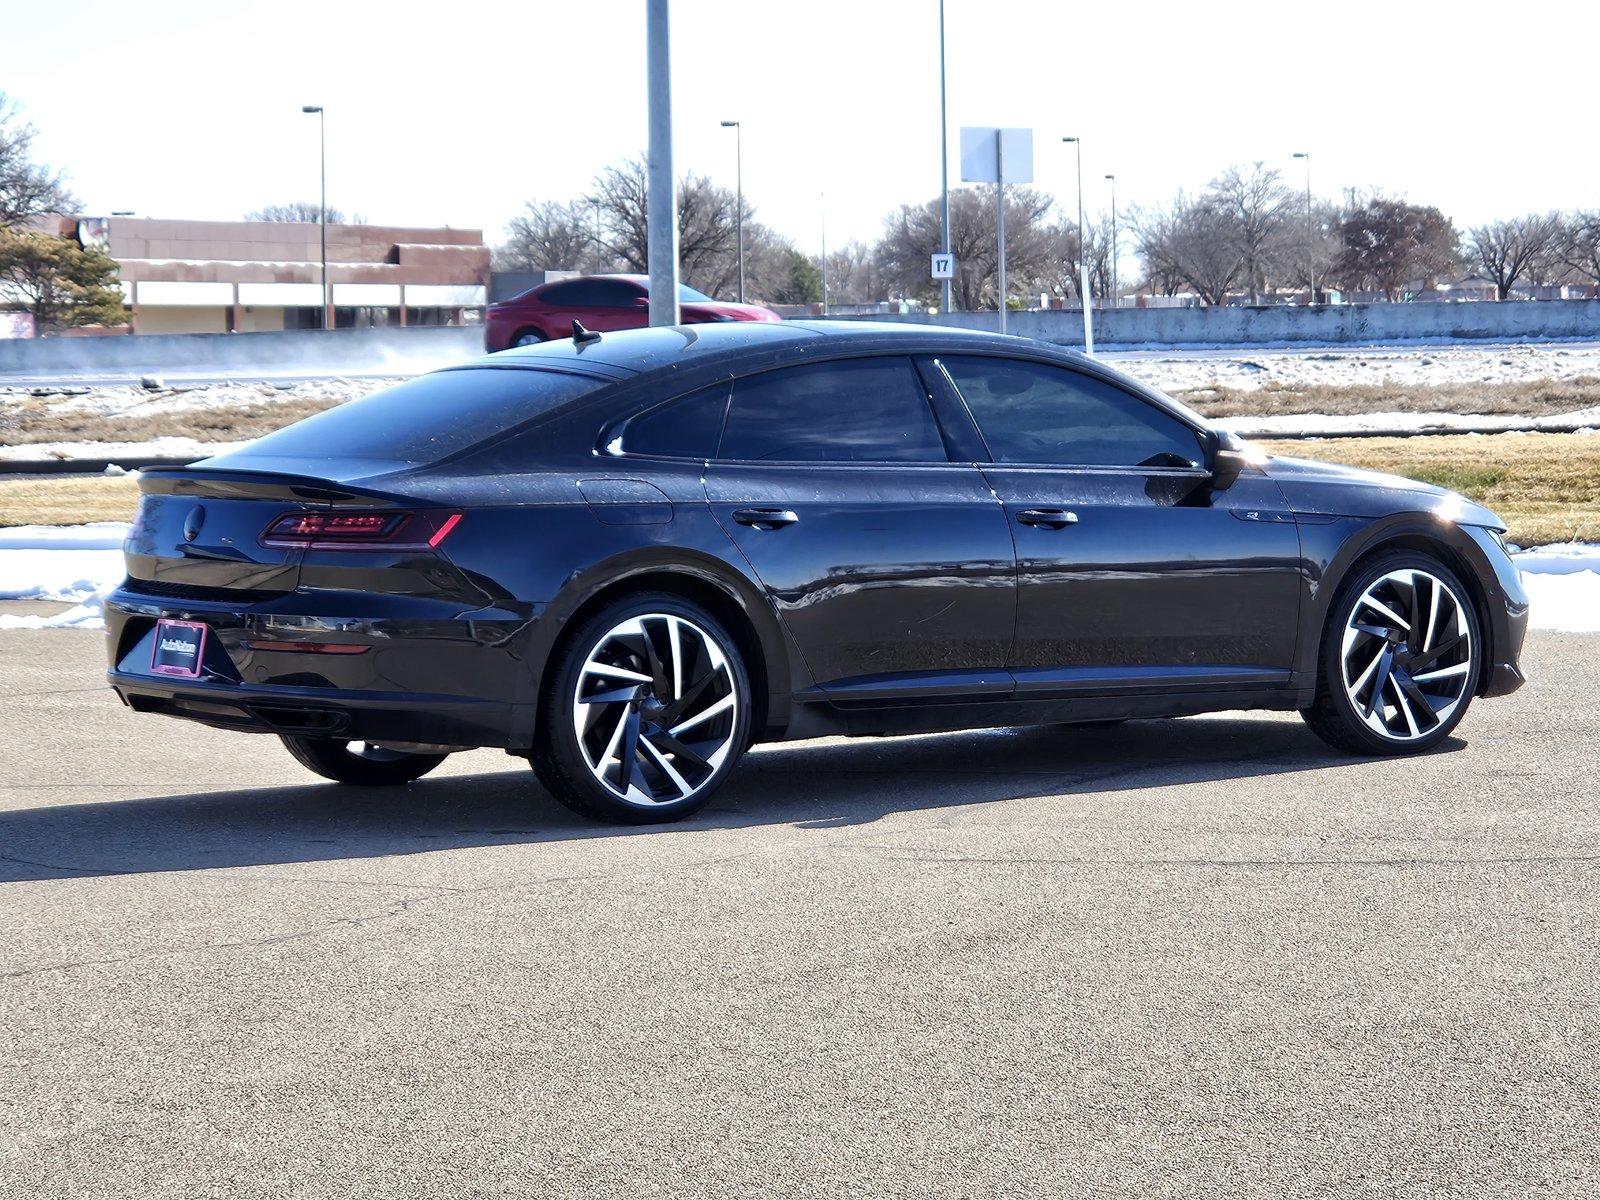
<point x="1546" y="486"/>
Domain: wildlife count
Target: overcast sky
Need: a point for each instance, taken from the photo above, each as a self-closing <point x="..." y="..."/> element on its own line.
<point x="458" y="113"/>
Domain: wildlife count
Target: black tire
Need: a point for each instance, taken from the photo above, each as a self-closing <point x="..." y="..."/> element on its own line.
<point x="1333" y="715"/>
<point x="562" y="762"/>
<point x="369" y="766"/>
<point x="526" y="337"/>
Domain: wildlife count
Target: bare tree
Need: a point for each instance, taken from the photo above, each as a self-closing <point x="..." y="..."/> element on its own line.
<point x="911" y="236"/>
<point x="27" y="189"/>
<point x="1579" y="246"/>
<point x="707" y="238"/>
<point x="298" y="210"/>
<point x="1195" y="242"/>
<point x="551" y="236"/>
<point x="1154" y="231"/>
<point x="1255" y="207"/>
<point x="1505" y="251"/>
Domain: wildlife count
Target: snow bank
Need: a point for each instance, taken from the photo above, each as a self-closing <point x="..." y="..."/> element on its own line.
<point x="1331" y="425"/>
<point x="161" y="447"/>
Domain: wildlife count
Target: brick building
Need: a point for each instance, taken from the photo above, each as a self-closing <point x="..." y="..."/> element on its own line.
<point x="253" y="276"/>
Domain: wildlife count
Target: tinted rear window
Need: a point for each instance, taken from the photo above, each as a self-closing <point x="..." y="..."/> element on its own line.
<point x="858" y="410"/>
<point x="426" y="419"/>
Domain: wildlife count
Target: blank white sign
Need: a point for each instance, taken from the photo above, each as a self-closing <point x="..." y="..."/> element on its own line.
<point x="978" y="154"/>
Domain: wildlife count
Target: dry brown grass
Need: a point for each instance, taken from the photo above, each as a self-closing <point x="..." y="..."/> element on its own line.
<point x="30" y="424"/>
<point x="1529" y="398"/>
<point x="69" y="500"/>
<point x="1545" y="486"/>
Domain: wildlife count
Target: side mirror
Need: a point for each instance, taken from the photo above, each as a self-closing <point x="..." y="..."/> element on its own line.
<point x="1226" y="457"/>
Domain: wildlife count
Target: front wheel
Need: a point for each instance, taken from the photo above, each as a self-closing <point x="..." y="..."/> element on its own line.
<point x="647" y="712"/>
<point x="359" y="763"/>
<point x="1400" y="659"/>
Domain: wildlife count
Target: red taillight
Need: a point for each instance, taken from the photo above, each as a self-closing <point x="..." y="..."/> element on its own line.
<point x="307" y="647"/>
<point x="336" y="530"/>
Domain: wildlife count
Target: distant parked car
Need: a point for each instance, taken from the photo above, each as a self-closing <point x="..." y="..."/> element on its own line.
<point x="601" y="302"/>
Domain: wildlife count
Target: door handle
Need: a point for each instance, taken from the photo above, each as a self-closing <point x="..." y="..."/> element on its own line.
<point x="765" y="518"/>
<point x="1047" y="518"/>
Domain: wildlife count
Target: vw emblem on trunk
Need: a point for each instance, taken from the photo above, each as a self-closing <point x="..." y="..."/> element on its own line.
<point x="193" y="522"/>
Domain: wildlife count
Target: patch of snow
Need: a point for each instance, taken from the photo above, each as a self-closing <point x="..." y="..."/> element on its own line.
<point x="1559" y="558"/>
<point x="96" y="535"/>
<point x="1247" y="369"/>
<point x="1331" y="425"/>
<point x="91" y="614"/>
<point x="1564" y="603"/>
<point x="161" y="447"/>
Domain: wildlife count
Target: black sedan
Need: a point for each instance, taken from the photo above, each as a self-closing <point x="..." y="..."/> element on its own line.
<point x="628" y="557"/>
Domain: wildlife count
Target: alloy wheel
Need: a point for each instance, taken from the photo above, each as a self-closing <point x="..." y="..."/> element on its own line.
<point x="1407" y="656"/>
<point x="655" y="709"/>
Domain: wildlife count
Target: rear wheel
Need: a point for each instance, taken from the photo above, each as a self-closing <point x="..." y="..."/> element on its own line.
<point x="361" y="763"/>
<point x="1400" y="659"/>
<point x="646" y="714"/>
<point x="527" y="337"/>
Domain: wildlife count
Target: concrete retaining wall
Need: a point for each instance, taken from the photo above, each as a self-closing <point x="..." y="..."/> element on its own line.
<point x="311" y="349"/>
<point x="1331" y="324"/>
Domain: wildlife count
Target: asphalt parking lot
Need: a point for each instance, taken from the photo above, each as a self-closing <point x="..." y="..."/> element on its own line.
<point x="1205" y="957"/>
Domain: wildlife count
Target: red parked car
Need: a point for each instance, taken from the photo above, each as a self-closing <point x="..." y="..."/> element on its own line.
<point x="601" y="302"/>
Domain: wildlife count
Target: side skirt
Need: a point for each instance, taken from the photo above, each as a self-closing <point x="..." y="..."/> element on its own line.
<point x="826" y="719"/>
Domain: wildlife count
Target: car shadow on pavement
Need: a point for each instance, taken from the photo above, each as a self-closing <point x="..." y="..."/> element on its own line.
<point x="808" y="785"/>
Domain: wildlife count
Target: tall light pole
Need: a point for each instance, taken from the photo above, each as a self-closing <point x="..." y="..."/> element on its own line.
<point x="1311" y="253"/>
<point x="660" y="185"/>
<point x="944" y="168"/>
<point x="822" y="205"/>
<point x="1116" y="294"/>
<point x="322" y="209"/>
<point x="1083" y="256"/>
<point x="738" y="159"/>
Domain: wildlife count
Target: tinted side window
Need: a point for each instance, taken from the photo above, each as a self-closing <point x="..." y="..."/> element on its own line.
<point x="573" y="291"/>
<point x="686" y="428"/>
<point x="611" y="293"/>
<point x="860" y="410"/>
<point x="1035" y="413"/>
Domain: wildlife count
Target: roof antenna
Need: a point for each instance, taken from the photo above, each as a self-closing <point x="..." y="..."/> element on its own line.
<point x="583" y="336"/>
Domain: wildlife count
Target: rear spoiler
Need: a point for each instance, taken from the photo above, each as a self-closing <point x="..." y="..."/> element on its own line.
<point x="234" y="483"/>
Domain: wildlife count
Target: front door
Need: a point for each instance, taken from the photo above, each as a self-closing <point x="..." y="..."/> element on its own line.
<point x="891" y="566"/>
<point x="1133" y="571"/>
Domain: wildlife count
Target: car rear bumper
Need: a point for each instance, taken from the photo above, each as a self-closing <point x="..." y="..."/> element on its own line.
<point x="407" y="670"/>
<point x="319" y="712"/>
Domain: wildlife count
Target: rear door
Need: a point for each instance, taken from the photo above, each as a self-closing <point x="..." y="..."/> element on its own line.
<point x="891" y="565"/>
<point x="616" y="304"/>
<point x="1132" y="570"/>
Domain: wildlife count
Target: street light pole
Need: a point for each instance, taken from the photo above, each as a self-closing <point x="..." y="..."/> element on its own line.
<point x="1116" y="293"/>
<point x="822" y="205"/>
<point x="322" y="208"/>
<point x="1311" y="253"/>
<point x="660" y="185"/>
<point x="738" y="152"/>
<point x="944" y="168"/>
<point x="1083" y="256"/>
